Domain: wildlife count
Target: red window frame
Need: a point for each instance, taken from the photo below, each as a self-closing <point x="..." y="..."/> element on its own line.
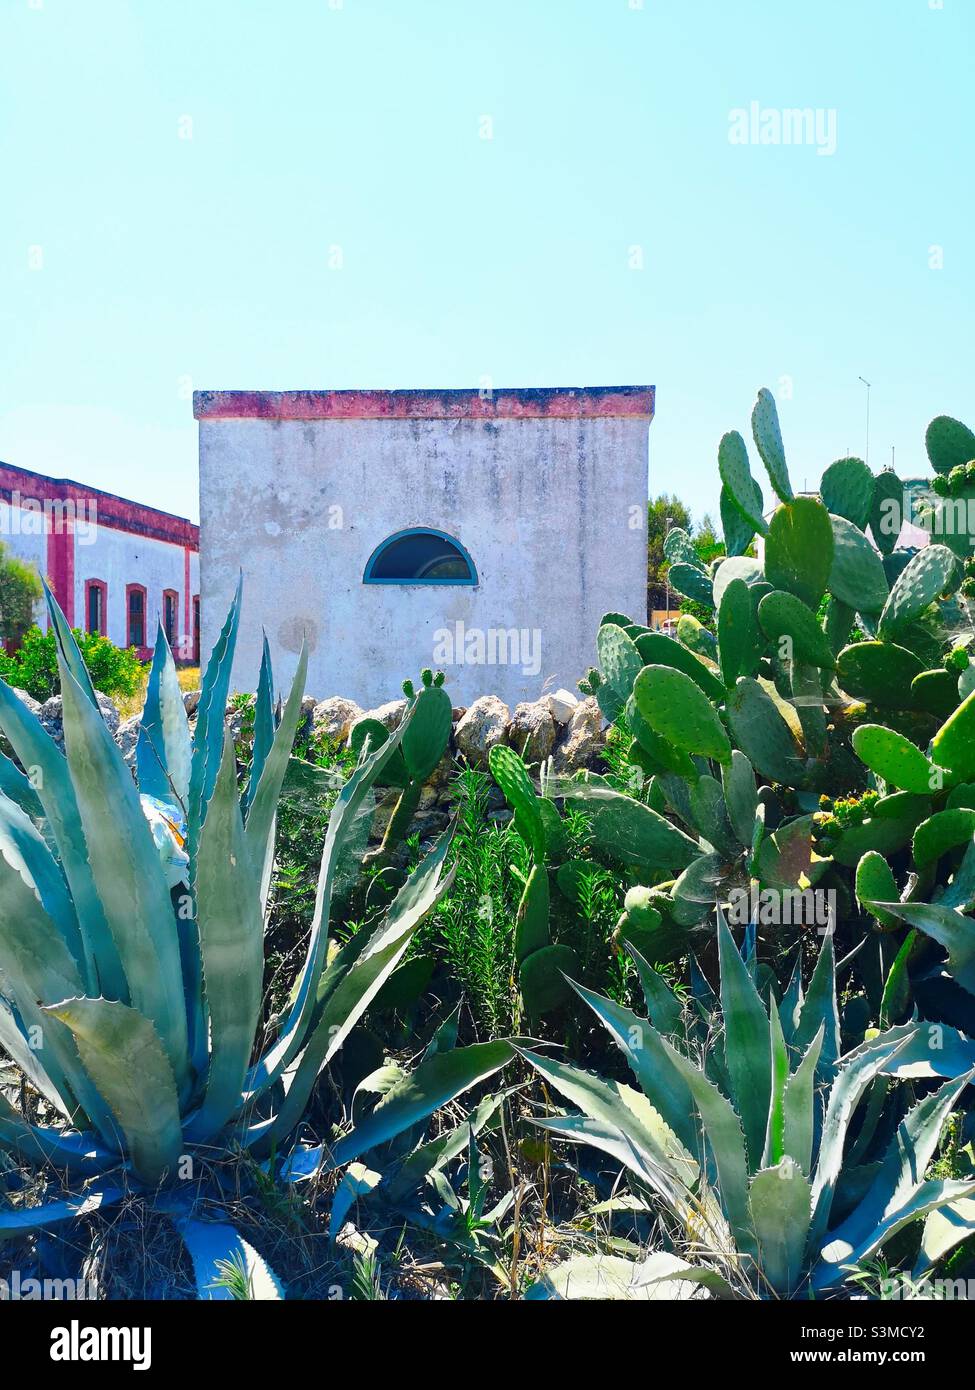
<point x="131" y="589"/>
<point x="196" y="629"/>
<point x="101" y="586"/>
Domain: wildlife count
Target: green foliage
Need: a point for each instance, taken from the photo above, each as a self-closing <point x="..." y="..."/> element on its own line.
<point x="20" y="592"/>
<point x="34" y="666"/>
<point x="542" y="964"/>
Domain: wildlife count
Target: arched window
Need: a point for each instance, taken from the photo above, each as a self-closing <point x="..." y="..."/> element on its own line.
<point x="420" y="556"/>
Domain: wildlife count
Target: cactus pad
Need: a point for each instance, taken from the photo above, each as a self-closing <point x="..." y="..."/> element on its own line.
<point x="768" y="441"/>
<point x="857" y="576"/>
<point x="894" y="758"/>
<point x="847" y="489"/>
<point x="932" y="571"/>
<point x="799" y="550"/>
<point x="675" y="707"/>
<point x="741" y="490"/>
<point x="782" y="615"/>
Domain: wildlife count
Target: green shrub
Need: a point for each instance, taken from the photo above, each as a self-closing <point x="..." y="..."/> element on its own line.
<point x="20" y="591"/>
<point x="34" y="666"/>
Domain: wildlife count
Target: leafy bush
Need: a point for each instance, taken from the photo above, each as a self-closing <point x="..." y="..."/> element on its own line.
<point x="34" y="666"/>
<point x="20" y="591"/>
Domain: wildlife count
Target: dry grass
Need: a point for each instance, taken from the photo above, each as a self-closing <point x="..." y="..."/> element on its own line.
<point x="128" y="705"/>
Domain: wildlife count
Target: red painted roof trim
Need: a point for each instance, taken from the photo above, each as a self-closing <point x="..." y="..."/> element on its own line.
<point x="559" y="402"/>
<point x="111" y="510"/>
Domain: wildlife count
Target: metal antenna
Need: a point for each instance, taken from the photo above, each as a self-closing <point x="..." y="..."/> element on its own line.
<point x="867" y="385"/>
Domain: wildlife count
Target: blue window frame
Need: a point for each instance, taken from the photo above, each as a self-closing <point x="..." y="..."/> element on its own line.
<point x="420" y="556"/>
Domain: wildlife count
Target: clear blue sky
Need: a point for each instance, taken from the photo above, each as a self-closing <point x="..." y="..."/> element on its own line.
<point x="167" y="261"/>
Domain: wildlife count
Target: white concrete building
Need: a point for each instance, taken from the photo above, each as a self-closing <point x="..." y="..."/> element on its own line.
<point x="116" y="567"/>
<point x="482" y="534"/>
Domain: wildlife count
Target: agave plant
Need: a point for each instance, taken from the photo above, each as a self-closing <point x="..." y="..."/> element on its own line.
<point x="750" y="1138"/>
<point x="132" y="949"/>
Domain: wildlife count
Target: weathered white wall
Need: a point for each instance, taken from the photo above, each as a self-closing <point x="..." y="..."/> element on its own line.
<point x="119" y="558"/>
<point x="552" y="511"/>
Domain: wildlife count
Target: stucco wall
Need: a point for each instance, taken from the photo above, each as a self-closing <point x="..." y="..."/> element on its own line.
<point x="119" y="558"/>
<point x="552" y="510"/>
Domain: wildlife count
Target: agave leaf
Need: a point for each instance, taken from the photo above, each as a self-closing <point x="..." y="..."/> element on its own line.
<point x="353" y="992"/>
<point x="428" y="1157"/>
<point x="838" y="1255"/>
<point x="78" y="1154"/>
<point x="37" y="968"/>
<point x="663" y="1006"/>
<point x="602" y="1277"/>
<point x="37" y="751"/>
<point x="263" y="724"/>
<point x="341" y="824"/>
<point x="23" y="849"/>
<point x="13" y="1040"/>
<point x="944" y="1228"/>
<point x="642" y="1047"/>
<point x="779" y="1200"/>
<point x="15" y="785"/>
<point x="820" y="1009"/>
<point x="798" y="1106"/>
<point x="746" y="1043"/>
<point x="67" y="647"/>
<point x="357" y="1181"/>
<point x="432" y="1085"/>
<point x="904" y="1165"/>
<point x="262" y="813"/>
<point x="208" y="735"/>
<point x="952" y="930"/>
<point x="232" y="947"/>
<point x="775" y="1133"/>
<point x="213" y="1246"/>
<point x="23" y="1221"/>
<point x="622" y="1121"/>
<point x="127" y="872"/>
<point x="125" y="1058"/>
<point x="859" y="1069"/>
<point x="163" y="751"/>
<point x="727" y="1143"/>
<point x="663" y="1268"/>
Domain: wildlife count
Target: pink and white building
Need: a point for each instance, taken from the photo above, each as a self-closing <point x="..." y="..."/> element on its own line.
<point x="116" y="567"/>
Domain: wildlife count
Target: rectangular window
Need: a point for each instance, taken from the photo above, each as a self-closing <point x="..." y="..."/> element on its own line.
<point x="96" y="608"/>
<point x="137" y="618"/>
<point x="196" y="628"/>
<point x="170" y="611"/>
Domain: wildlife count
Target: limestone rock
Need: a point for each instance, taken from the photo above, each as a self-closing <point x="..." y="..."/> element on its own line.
<point x="482" y="728"/>
<point x="332" y="719"/>
<point x="28" y="700"/>
<point x="109" y="712"/>
<point x="562" y="705"/>
<point x="532" y="731"/>
<point x="582" y="739"/>
<point x="127" y="737"/>
<point x="389" y="715"/>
